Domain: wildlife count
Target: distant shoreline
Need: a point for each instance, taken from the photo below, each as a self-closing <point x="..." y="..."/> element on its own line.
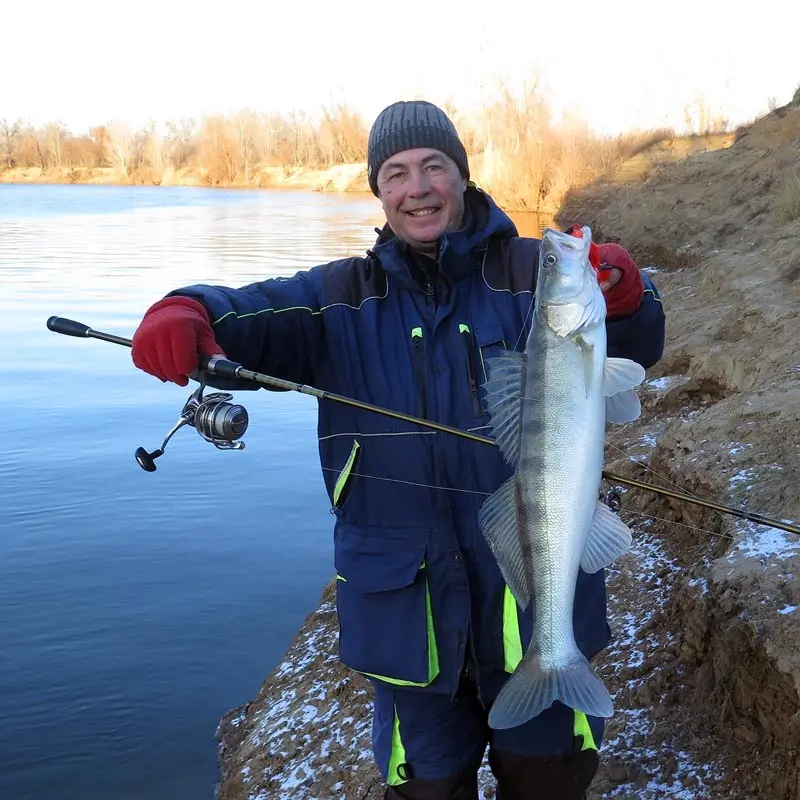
<point x="349" y="178"/>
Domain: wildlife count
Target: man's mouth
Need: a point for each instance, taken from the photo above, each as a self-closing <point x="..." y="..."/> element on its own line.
<point x="422" y="212"/>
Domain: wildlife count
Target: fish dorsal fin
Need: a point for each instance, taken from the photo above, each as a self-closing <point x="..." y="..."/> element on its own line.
<point x="609" y="537"/>
<point x="505" y="390"/>
<point x="498" y="521"/>
<point x="620" y="376"/>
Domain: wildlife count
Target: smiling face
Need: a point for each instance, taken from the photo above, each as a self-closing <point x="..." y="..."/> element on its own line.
<point x="422" y="193"/>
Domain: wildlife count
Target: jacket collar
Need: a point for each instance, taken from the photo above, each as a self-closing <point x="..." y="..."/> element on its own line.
<point x="456" y="250"/>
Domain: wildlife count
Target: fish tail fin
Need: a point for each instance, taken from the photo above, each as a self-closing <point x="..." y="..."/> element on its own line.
<point x="531" y="689"/>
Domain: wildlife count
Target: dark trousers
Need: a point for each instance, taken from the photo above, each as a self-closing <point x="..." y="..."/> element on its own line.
<point x="436" y="747"/>
<point x="518" y="778"/>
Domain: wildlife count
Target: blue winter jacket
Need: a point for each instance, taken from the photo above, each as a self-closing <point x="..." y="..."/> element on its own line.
<point x="417" y="587"/>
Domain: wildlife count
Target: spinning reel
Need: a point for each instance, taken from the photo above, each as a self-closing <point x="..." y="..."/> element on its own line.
<point x="214" y="417"/>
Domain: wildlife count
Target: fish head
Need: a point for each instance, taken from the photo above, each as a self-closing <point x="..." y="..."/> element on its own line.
<point x="568" y="296"/>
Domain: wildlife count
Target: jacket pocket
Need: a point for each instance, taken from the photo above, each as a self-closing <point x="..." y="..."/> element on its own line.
<point x="345" y="478"/>
<point x="383" y="601"/>
<point x="490" y="342"/>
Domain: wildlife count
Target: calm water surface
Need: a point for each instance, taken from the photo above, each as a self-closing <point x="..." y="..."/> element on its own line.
<point x="137" y="608"/>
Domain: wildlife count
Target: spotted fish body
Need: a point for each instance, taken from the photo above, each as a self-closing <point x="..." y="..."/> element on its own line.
<point x="549" y="406"/>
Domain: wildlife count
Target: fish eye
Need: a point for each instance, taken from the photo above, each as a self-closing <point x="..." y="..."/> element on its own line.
<point x="549" y="260"/>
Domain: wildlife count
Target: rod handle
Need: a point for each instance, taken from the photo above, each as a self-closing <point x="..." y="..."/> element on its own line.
<point x="69" y="327"/>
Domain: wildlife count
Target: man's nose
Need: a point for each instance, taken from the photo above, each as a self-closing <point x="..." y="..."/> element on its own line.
<point x="420" y="183"/>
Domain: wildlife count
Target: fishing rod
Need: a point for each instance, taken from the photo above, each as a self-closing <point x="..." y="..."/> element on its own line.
<point x="222" y="423"/>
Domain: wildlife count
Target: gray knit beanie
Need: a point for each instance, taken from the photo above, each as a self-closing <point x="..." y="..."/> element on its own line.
<point x="408" y="124"/>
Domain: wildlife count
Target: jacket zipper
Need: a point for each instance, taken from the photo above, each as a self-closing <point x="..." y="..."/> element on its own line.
<point x="419" y="363"/>
<point x="466" y="337"/>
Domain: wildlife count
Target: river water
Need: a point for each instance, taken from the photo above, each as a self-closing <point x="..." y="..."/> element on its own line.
<point x="137" y="608"/>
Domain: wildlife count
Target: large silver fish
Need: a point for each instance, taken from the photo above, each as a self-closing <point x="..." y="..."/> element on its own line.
<point x="549" y="406"/>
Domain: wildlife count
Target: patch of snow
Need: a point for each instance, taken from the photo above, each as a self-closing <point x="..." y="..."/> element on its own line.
<point x="787" y="609"/>
<point x="744" y="476"/>
<point x="305" y="727"/>
<point x="627" y="738"/>
<point x="666" y="381"/>
<point x="701" y="582"/>
<point x="762" y="542"/>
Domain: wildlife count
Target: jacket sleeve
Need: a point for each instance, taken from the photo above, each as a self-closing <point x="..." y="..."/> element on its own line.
<point x="640" y="335"/>
<point x="272" y="326"/>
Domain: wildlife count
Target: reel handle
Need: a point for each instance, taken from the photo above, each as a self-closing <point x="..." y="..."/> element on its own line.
<point x="147" y="460"/>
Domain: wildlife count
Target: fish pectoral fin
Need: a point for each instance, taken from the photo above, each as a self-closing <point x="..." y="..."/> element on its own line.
<point x="498" y="521"/>
<point x="623" y="407"/>
<point x="587" y="360"/>
<point x="620" y="376"/>
<point x="505" y="390"/>
<point x="532" y="689"/>
<point x="609" y="538"/>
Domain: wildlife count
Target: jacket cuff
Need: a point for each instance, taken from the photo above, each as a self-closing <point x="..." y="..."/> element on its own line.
<point x="180" y="300"/>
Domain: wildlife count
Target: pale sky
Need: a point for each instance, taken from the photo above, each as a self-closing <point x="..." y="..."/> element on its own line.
<point x="618" y="63"/>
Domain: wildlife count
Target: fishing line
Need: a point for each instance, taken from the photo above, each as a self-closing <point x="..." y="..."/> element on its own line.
<point x="528" y="314"/>
<point x="681" y="524"/>
<point x="722" y="514"/>
<point x="410" y="483"/>
<point x="487" y="494"/>
<point x="648" y="468"/>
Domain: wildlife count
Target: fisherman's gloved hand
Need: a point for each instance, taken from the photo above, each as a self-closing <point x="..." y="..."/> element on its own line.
<point x="606" y="276"/>
<point x="170" y="337"/>
<point x="624" y="288"/>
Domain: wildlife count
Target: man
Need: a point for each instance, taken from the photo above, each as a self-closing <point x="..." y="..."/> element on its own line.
<point x="423" y="609"/>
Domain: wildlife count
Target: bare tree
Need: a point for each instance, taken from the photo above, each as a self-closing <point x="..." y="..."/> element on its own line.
<point x="181" y="142"/>
<point x="9" y="136"/>
<point x="151" y="155"/>
<point x="118" y="147"/>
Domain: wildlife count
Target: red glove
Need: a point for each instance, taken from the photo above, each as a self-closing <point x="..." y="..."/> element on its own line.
<point x="169" y="338"/>
<point x="594" y="254"/>
<point x="625" y="296"/>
